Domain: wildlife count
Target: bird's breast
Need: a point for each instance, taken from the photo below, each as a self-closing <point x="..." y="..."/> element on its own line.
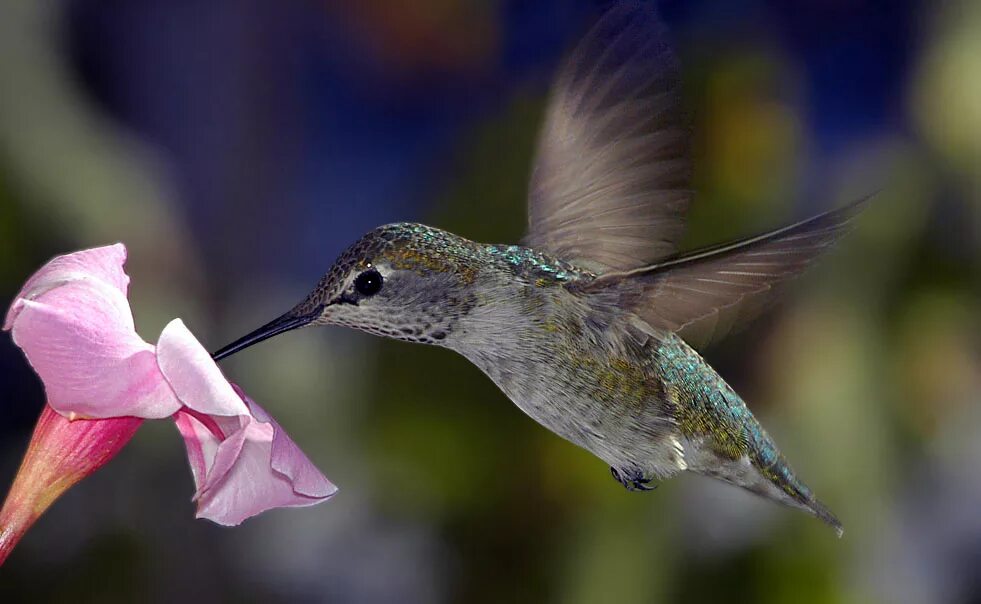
<point x="599" y="394"/>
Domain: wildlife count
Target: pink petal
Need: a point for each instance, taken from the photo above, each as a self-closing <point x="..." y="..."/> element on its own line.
<point x="102" y="264"/>
<point x="201" y="441"/>
<point x="289" y="460"/>
<point x="251" y="485"/>
<point x="246" y="465"/>
<point x="79" y="337"/>
<point x="194" y="377"/>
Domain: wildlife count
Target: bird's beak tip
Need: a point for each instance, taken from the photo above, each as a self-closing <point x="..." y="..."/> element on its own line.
<point x="287" y="322"/>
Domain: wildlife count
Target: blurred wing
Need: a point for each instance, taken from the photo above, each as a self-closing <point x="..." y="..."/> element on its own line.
<point x="610" y="186"/>
<point x="706" y="293"/>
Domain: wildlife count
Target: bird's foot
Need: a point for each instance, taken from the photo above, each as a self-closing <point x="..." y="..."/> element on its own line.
<point x="633" y="480"/>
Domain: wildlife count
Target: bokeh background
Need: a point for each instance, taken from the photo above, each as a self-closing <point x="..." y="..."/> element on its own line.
<point x="238" y="147"/>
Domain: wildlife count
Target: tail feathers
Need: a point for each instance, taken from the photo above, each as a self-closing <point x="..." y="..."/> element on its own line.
<point x="779" y="480"/>
<point x="774" y="481"/>
<point x="786" y="488"/>
<point x="822" y="512"/>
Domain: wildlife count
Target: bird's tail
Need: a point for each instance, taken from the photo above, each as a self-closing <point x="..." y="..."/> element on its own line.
<point x="793" y="492"/>
<point x="764" y="472"/>
<point x="723" y="438"/>
<point x="776" y="483"/>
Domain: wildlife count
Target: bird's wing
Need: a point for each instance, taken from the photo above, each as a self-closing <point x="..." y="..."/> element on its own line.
<point x="610" y="184"/>
<point x="704" y="294"/>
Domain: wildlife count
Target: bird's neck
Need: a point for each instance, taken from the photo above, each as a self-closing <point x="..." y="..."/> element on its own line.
<point x="518" y="303"/>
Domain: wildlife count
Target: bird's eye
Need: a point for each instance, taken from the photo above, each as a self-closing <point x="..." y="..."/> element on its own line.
<point x="368" y="283"/>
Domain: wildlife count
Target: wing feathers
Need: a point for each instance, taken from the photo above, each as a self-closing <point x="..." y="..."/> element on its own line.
<point x="610" y="185"/>
<point x="706" y="292"/>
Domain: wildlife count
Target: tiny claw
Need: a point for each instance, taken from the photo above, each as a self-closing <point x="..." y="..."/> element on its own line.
<point x="634" y="481"/>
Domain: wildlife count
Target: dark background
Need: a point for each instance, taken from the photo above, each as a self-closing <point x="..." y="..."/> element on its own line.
<point x="238" y="147"/>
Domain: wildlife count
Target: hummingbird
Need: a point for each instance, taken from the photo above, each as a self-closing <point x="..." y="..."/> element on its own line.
<point x="587" y="325"/>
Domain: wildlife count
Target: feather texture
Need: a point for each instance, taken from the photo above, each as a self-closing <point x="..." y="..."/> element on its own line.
<point x="705" y="293"/>
<point x="611" y="181"/>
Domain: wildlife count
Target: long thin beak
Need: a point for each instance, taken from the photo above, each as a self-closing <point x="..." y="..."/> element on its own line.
<point x="275" y="327"/>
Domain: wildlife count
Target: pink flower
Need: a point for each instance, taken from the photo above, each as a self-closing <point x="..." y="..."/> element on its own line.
<point x="73" y="322"/>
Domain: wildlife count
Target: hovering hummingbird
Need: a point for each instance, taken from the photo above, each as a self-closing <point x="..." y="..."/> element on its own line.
<point x="582" y="326"/>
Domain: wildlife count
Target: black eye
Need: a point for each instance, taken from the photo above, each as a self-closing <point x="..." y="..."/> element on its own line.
<point x="368" y="283"/>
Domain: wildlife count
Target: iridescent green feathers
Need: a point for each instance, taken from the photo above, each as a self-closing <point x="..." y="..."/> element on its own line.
<point x="707" y="409"/>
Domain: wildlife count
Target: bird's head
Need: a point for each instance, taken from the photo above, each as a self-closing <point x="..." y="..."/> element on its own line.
<point x="406" y="281"/>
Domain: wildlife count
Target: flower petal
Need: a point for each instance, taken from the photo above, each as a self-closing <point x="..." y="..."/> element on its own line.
<point x="212" y="449"/>
<point x="201" y="438"/>
<point x="80" y="339"/>
<point x="246" y="465"/>
<point x="251" y="485"/>
<point x="193" y="375"/>
<point x="290" y="461"/>
<point x="102" y="264"/>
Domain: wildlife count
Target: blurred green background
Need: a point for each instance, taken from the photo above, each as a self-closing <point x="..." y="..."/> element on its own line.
<point x="236" y="148"/>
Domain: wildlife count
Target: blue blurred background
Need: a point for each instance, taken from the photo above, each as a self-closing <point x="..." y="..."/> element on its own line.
<point x="238" y="147"/>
